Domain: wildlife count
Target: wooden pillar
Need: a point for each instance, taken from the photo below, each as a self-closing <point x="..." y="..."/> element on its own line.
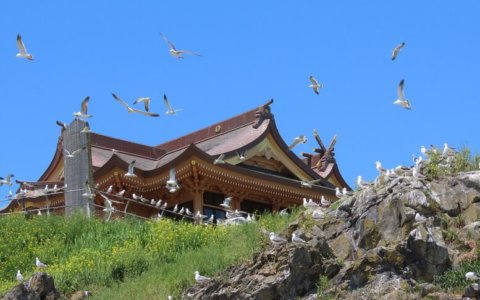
<point x="198" y="202"/>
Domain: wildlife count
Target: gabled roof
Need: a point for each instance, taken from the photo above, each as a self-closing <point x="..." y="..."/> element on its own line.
<point x="226" y="137"/>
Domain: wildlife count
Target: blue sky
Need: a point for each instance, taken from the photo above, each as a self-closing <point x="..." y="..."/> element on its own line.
<point x="252" y="51"/>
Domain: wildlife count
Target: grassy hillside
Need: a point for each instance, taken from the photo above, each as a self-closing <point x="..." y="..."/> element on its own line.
<point x="124" y="259"/>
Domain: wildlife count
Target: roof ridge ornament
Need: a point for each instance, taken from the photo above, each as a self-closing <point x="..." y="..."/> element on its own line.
<point x="263" y="113"/>
<point x="327" y="155"/>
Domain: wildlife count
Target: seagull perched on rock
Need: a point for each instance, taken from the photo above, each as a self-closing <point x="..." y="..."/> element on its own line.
<point x="396" y="50"/>
<point x="447" y="151"/>
<point x="419" y="218"/>
<point x="338" y="194"/>
<point x="40" y="264"/>
<point x="315" y="85"/>
<point x="310" y="204"/>
<point x="401" y="97"/>
<point x="277" y="239"/>
<point x="19" y="276"/>
<point x="362" y="183"/>
<point x="473" y="276"/>
<point x="299" y="139"/>
<point x="83" y="113"/>
<point x="22" y="50"/>
<point x="416" y="174"/>
<point x="378" y="166"/>
<point x="170" y="110"/>
<point x="297" y="240"/>
<point x="346" y="192"/>
<point x="199" y="278"/>
<point x="325" y="202"/>
<point x="177" y="53"/>
<point x="133" y="110"/>
<point x="316" y="215"/>
<point x="145" y="101"/>
<point x="130" y="171"/>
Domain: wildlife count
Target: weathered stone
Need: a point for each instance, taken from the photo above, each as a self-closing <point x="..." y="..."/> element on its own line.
<point x="19" y="292"/>
<point x="472" y="291"/>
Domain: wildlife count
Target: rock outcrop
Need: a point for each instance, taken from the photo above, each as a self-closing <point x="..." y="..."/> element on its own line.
<point x="378" y="243"/>
<point x="40" y="286"/>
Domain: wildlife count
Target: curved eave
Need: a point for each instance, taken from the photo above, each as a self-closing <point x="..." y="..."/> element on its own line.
<point x="116" y="161"/>
<point x="57" y="159"/>
<point x="298" y="161"/>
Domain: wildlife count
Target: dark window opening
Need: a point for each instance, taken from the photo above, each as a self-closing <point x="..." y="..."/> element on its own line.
<point x="250" y="206"/>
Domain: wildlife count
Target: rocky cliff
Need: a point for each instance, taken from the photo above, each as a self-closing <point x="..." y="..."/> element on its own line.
<point x="385" y="241"/>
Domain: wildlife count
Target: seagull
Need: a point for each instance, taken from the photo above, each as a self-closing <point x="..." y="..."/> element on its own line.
<point x="130" y="172"/>
<point x="315" y="85"/>
<point x="180" y="212"/>
<point x="85" y="129"/>
<point x="164" y="205"/>
<point x="396" y="50"/>
<point x="447" y="151"/>
<point x="362" y="183"/>
<point x="419" y="218"/>
<point x="108" y="207"/>
<point x="177" y="53"/>
<point x="72" y="154"/>
<point x="170" y="110"/>
<point x="120" y="194"/>
<point x="316" y="215"/>
<point x="379" y="168"/>
<point x="82" y="114"/>
<point x="22" y="50"/>
<point x="172" y="184"/>
<point x="40" y="264"/>
<point x="19" y="276"/>
<point x="198" y="215"/>
<point x="175" y="208"/>
<point x="310" y="183"/>
<point x="61" y="124"/>
<point x="241" y="155"/>
<point x="110" y="188"/>
<point x="417" y="174"/>
<point x="226" y="203"/>
<point x="199" y="278"/>
<point x="145" y="100"/>
<point x="39" y="213"/>
<point x="159" y="203"/>
<point x="338" y="193"/>
<point x="325" y="202"/>
<point x="297" y="140"/>
<point x="188" y="212"/>
<point x="133" y="110"/>
<point x="276" y="239"/>
<point x="219" y="159"/>
<point x="284" y="212"/>
<point x="153" y="202"/>
<point x="473" y="276"/>
<point x="7" y="180"/>
<point x="210" y="220"/>
<point x="297" y="240"/>
<point x="346" y="192"/>
<point x="88" y="191"/>
<point x="401" y="97"/>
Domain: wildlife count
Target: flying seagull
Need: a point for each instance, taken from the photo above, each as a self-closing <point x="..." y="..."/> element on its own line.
<point x="72" y="154"/>
<point x="39" y="264"/>
<point x="145" y="100"/>
<point x="310" y="183"/>
<point x="133" y="110"/>
<point x="177" y="53"/>
<point x="108" y="207"/>
<point x="226" y="203"/>
<point x="22" y="50"/>
<point x="172" y="184"/>
<point x="199" y="278"/>
<point x="170" y="110"/>
<point x="396" y="50"/>
<point x="297" y="140"/>
<point x="219" y="159"/>
<point x="7" y="180"/>
<point x="130" y="172"/>
<point x="315" y="85"/>
<point x="83" y="111"/>
<point x="401" y="97"/>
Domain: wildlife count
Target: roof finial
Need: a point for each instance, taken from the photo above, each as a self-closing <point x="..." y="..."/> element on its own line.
<point x="263" y="113"/>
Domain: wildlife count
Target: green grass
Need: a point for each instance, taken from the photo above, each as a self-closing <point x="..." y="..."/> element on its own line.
<point x="454" y="280"/>
<point x="438" y="167"/>
<point x="125" y="259"/>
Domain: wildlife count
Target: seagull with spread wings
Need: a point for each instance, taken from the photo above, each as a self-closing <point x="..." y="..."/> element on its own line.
<point x="73" y="153"/>
<point x="145" y="101"/>
<point x="396" y="50"/>
<point x="170" y="110"/>
<point x="177" y="53"/>
<point x="309" y="183"/>
<point x="299" y="139"/>
<point x="22" y="50"/>
<point x="401" y="97"/>
<point x="315" y="85"/>
<point x="83" y="114"/>
<point x="109" y="209"/>
<point x="130" y="172"/>
<point x="133" y="110"/>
